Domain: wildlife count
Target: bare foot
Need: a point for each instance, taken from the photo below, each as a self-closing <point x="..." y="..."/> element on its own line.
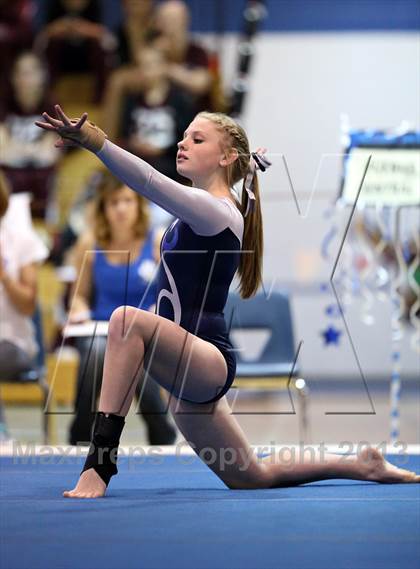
<point x="90" y="485"/>
<point x="377" y="469"/>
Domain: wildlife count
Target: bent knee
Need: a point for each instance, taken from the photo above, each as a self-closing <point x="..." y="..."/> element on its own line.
<point x="122" y="320"/>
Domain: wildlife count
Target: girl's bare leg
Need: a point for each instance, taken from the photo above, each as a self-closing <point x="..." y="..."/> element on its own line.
<point x="219" y="440"/>
<point x="211" y="429"/>
<point x="139" y="340"/>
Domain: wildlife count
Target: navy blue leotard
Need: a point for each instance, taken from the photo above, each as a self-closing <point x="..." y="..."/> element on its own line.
<point x="193" y="283"/>
<point x="200" y="252"/>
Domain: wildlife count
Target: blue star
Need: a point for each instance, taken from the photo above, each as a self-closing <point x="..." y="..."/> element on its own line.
<point x="331" y="335"/>
<point x="333" y="310"/>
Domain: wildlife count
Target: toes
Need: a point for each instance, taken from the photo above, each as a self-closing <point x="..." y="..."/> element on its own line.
<point x="414" y="477"/>
<point x="73" y="494"/>
<point x="409" y="476"/>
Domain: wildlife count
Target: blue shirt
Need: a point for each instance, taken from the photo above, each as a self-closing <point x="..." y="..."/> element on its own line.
<point x="128" y="284"/>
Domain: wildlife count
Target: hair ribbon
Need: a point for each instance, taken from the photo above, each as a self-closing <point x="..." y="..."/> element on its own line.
<point x="257" y="161"/>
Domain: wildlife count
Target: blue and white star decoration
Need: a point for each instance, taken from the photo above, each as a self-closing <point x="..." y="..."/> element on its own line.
<point x="331" y="334"/>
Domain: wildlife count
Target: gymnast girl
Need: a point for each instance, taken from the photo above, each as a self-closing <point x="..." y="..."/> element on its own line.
<point x="184" y="345"/>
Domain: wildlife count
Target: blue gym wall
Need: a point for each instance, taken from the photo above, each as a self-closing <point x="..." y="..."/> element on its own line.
<point x="296" y="15"/>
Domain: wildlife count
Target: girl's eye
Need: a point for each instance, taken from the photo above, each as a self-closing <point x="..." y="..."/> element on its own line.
<point x="198" y="141"/>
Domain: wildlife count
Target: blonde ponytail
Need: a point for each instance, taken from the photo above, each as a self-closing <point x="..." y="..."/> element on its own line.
<point x="250" y="265"/>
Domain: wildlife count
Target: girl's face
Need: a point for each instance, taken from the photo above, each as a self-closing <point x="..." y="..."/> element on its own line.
<point x="151" y="64"/>
<point x="28" y="74"/>
<point x="200" y="153"/>
<point x="171" y="18"/>
<point x="121" y="209"/>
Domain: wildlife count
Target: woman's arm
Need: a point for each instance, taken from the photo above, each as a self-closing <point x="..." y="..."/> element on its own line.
<point x="21" y="292"/>
<point x="79" y="309"/>
<point x="123" y="81"/>
<point x="196" y="81"/>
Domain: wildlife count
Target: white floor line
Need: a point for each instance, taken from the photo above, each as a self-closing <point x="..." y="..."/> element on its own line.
<point x="244" y="499"/>
<point x="15" y="448"/>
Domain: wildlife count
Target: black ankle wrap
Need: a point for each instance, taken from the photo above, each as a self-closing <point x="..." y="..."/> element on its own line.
<point x="103" y="449"/>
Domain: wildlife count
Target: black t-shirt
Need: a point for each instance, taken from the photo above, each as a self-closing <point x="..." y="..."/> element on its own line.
<point x="161" y="126"/>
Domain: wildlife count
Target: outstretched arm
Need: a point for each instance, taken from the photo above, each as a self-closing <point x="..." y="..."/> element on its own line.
<point x="205" y="214"/>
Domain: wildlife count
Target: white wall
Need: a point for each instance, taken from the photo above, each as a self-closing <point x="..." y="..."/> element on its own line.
<point x="300" y="84"/>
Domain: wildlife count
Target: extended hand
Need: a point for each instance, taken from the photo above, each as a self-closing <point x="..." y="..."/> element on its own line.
<point x="73" y="131"/>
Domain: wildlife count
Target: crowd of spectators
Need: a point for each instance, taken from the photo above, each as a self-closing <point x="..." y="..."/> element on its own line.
<point x="148" y="77"/>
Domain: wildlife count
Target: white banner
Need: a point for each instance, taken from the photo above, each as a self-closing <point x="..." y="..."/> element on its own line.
<point x="392" y="179"/>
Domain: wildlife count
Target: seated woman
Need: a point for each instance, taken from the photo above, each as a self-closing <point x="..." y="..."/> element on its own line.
<point x="188" y="68"/>
<point x="189" y="62"/>
<point x="28" y="159"/>
<point x="16" y="34"/>
<point x="74" y="41"/>
<point x="155" y="118"/>
<point x="116" y="264"/>
<point x="20" y="251"/>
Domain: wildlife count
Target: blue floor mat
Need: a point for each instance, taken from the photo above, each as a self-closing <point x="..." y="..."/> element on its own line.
<point x="174" y="512"/>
